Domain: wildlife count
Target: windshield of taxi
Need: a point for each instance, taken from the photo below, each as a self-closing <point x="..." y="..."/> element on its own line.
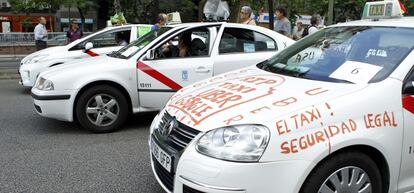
<point x="135" y="46"/>
<point x="355" y="54"/>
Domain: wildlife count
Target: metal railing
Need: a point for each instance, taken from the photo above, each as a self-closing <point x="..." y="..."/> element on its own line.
<point x="18" y="38"/>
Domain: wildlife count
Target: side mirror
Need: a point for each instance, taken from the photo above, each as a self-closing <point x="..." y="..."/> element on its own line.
<point x="88" y="46"/>
<point x="409" y="88"/>
<point x="150" y="54"/>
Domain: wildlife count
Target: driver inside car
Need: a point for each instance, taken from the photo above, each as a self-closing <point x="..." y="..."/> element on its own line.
<point x="181" y="50"/>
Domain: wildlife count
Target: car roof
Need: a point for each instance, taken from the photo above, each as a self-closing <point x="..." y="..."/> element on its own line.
<point x="393" y="22"/>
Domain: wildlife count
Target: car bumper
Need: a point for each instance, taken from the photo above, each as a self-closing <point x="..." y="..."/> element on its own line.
<point x="201" y="174"/>
<point x="54" y="104"/>
<point x="28" y="76"/>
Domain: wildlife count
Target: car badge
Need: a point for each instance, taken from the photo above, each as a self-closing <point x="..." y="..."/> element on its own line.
<point x="169" y="127"/>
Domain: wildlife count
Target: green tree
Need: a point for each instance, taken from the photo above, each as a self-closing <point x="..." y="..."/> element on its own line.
<point x="24" y="6"/>
<point x="51" y="5"/>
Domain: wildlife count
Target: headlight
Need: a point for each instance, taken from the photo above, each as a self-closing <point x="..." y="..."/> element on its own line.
<point x="44" y="84"/>
<point x="241" y="143"/>
<point x="156" y="122"/>
<point x="37" y="58"/>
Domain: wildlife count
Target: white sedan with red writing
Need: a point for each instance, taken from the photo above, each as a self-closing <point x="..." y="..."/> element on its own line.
<point x="333" y="113"/>
<point x="100" y="92"/>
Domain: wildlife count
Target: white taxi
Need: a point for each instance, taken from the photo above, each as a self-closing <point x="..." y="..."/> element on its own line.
<point x="99" y="43"/>
<point x="332" y="113"/>
<point x="141" y="77"/>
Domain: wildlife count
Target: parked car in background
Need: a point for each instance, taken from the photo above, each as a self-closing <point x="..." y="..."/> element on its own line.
<point x="141" y="77"/>
<point x="99" y="43"/>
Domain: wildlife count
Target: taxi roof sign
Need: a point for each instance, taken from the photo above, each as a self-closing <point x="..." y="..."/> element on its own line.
<point x="382" y="9"/>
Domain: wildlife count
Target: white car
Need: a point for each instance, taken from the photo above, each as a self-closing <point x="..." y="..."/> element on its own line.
<point x="99" y="43"/>
<point x="332" y="113"/>
<point x="141" y="77"/>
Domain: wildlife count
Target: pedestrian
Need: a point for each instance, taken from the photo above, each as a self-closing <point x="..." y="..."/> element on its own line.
<point x="282" y="23"/>
<point x="315" y="21"/>
<point x="40" y="34"/>
<point x="161" y="21"/>
<point x="298" y="31"/>
<point x="74" y="32"/>
<point x="245" y="16"/>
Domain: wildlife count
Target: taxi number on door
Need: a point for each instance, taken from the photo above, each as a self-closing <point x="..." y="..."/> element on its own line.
<point x="161" y="156"/>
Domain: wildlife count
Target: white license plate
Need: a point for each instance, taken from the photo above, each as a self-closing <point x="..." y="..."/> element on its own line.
<point x="161" y="156"/>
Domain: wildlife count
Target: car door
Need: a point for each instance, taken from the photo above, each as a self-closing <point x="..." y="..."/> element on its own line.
<point x="159" y="78"/>
<point x="103" y="43"/>
<point x="406" y="179"/>
<point x="240" y="47"/>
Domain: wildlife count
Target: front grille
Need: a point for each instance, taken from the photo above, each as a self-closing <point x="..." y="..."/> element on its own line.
<point x="166" y="177"/>
<point x="187" y="189"/>
<point x="179" y="137"/>
<point x="173" y="144"/>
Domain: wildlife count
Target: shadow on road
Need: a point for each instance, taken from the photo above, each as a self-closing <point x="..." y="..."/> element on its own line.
<point x="137" y="121"/>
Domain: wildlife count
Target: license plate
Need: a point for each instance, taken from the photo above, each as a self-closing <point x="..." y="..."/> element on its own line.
<point x="161" y="156"/>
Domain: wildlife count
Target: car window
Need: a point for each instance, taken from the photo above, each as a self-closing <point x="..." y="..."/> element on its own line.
<point x="345" y="54"/>
<point x="135" y="46"/>
<point x="106" y="39"/>
<point x="237" y="40"/>
<point x="190" y="43"/>
<point x="264" y="43"/>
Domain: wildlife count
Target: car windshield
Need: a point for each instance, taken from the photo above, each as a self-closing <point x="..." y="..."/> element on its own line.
<point x="355" y="54"/>
<point x="135" y="46"/>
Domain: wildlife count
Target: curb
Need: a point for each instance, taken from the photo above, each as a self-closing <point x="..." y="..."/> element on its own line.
<point x="9" y="74"/>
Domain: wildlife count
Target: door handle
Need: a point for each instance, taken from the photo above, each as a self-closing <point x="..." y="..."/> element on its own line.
<point x="202" y="70"/>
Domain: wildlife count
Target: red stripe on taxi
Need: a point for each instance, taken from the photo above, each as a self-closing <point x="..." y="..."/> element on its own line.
<point x="90" y="53"/>
<point x="408" y="103"/>
<point x="157" y="75"/>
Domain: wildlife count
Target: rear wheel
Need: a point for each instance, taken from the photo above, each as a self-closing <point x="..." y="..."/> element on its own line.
<point x="102" y="109"/>
<point x="349" y="172"/>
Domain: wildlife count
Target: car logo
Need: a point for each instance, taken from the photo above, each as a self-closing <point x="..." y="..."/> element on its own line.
<point x="169" y="127"/>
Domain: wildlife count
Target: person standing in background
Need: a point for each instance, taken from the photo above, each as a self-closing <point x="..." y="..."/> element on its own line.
<point x="40" y="34"/>
<point x="298" y="31"/>
<point x="161" y="21"/>
<point x="74" y="32"/>
<point x="315" y="21"/>
<point x="282" y="23"/>
<point x="245" y="16"/>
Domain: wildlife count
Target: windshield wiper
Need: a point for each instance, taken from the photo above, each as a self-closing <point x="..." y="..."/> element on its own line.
<point x="291" y="70"/>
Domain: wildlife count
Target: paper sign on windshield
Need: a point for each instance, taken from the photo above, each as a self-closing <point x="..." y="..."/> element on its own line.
<point x="356" y="72"/>
<point x="130" y="51"/>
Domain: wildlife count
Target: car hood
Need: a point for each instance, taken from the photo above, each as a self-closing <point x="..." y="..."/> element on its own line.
<point x="250" y="96"/>
<point x="49" y="50"/>
<point x="78" y="66"/>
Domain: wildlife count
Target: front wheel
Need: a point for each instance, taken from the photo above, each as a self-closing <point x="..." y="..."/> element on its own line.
<point x="102" y="109"/>
<point x="349" y="172"/>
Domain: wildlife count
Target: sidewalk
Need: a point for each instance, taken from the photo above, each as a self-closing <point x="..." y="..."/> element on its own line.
<point x="11" y="57"/>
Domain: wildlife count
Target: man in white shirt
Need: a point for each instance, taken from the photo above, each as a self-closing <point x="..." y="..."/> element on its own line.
<point x="40" y="34"/>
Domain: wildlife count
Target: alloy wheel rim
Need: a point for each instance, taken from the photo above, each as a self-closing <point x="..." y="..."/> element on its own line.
<point x="347" y="180"/>
<point x="102" y="110"/>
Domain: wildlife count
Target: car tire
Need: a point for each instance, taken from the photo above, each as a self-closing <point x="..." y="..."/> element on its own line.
<point x="341" y="173"/>
<point x="102" y="109"/>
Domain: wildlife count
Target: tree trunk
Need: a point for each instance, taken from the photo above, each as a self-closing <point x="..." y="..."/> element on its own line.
<point x="271" y="13"/>
<point x="82" y="18"/>
<point x="117" y="6"/>
<point x="50" y="18"/>
<point x="201" y="10"/>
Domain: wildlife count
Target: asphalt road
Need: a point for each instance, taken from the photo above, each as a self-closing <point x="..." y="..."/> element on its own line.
<point x="44" y="155"/>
